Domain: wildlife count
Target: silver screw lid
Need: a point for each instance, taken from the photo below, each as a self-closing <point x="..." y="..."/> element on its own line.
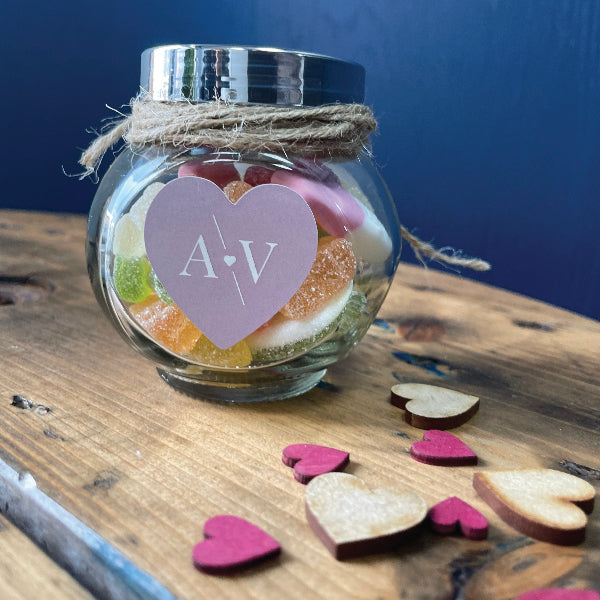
<point x="199" y="73"/>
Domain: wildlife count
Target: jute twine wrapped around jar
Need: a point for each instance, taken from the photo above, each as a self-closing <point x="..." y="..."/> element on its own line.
<point x="335" y="130"/>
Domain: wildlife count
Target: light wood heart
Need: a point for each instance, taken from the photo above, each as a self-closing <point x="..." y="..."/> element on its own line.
<point x="433" y="407"/>
<point x="542" y="503"/>
<point x="352" y="520"/>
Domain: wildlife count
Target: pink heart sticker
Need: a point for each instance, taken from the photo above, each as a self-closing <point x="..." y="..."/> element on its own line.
<point x="310" y="460"/>
<point x="448" y="515"/>
<point x="232" y="543"/>
<point x="229" y="267"/>
<point x="443" y="449"/>
<point x="559" y="594"/>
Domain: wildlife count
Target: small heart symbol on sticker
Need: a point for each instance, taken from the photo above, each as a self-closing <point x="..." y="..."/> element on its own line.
<point x="229" y="267"/>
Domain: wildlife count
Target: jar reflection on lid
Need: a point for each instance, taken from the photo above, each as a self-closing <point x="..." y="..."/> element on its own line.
<point x="197" y="73"/>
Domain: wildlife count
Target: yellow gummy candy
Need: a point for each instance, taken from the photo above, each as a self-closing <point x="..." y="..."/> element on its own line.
<point x="237" y="355"/>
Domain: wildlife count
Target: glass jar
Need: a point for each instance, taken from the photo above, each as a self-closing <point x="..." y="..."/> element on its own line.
<point x="242" y="274"/>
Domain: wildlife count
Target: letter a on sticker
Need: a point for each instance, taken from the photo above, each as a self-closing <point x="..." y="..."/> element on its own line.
<point x="210" y="272"/>
<point x="251" y="264"/>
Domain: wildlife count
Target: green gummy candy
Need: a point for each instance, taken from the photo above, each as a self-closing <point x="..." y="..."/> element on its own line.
<point x="159" y="288"/>
<point x="351" y="312"/>
<point x="131" y="278"/>
<point x="288" y="350"/>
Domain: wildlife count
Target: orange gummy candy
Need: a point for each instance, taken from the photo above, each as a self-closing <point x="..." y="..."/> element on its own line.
<point x="234" y="190"/>
<point x="167" y="324"/>
<point x="332" y="271"/>
<point x="237" y="355"/>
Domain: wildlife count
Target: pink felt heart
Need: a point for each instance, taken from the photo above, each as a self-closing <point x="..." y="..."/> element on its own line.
<point x="559" y="594"/>
<point x="229" y="267"/>
<point x="446" y="516"/>
<point x="442" y="448"/>
<point x="232" y="543"/>
<point x="310" y="460"/>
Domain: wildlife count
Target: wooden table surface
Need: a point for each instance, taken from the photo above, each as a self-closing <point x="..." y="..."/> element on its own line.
<point x="144" y="466"/>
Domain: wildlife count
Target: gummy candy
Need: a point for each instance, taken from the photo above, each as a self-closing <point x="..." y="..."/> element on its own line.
<point x="129" y="240"/>
<point x="351" y="313"/>
<point x="237" y="355"/>
<point x="333" y="269"/>
<point x="312" y="168"/>
<point x="140" y="208"/>
<point x="257" y="175"/>
<point x="131" y="278"/>
<point x="167" y="324"/>
<point x="350" y="184"/>
<point x="129" y="230"/>
<point x="220" y="172"/>
<point x="159" y="288"/>
<point x="234" y="190"/>
<point x="284" y="338"/>
<point x="333" y="207"/>
<point x="370" y="241"/>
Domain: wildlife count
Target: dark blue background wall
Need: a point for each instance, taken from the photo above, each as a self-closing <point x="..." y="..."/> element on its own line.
<point x="489" y="111"/>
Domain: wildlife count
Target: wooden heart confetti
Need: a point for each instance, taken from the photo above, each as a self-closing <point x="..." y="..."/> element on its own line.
<point x="453" y="513"/>
<point x="232" y="544"/>
<point x="433" y="407"/>
<point x="310" y="460"/>
<point x="542" y="503"/>
<point x="559" y="594"/>
<point x="352" y="520"/>
<point x="443" y="449"/>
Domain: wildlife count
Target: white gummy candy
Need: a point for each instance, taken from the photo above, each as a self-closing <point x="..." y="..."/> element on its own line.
<point x="370" y="241"/>
<point x="129" y="240"/>
<point x="281" y="332"/>
<point x="140" y="208"/>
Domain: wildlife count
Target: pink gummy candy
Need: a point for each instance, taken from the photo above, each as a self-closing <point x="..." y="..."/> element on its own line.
<point x="334" y="208"/>
<point x="232" y="543"/>
<point x="311" y="168"/>
<point x="257" y="175"/>
<point x="220" y="172"/>
<point x="448" y="515"/>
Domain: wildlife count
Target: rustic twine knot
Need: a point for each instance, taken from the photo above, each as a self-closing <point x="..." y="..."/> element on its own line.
<point x="334" y="130"/>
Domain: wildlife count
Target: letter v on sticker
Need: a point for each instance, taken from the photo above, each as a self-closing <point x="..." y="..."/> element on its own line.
<point x="229" y="267"/>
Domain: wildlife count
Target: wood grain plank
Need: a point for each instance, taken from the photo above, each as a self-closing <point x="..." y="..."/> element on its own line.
<point x="145" y="466"/>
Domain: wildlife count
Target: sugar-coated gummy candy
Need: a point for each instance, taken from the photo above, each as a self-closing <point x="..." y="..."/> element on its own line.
<point x="371" y="241"/>
<point x="312" y="168"/>
<point x="129" y="240"/>
<point x="140" y="207"/>
<point x="129" y="230"/>
<point x="257" y="175"/>
<point x="351" y="313"/>
<point x="282" y="338"/>
<point x="130" y="276"/>
<point x="234" y="190"/>
<point x="206" y="352"/>
<point x="167" y="324"/>
<point x="158" y="287"/>
<point x="331" y="272"/>
<point x="220" y="172"/>
<point x="335" y="210"/>
<point x="350" y="184"/>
